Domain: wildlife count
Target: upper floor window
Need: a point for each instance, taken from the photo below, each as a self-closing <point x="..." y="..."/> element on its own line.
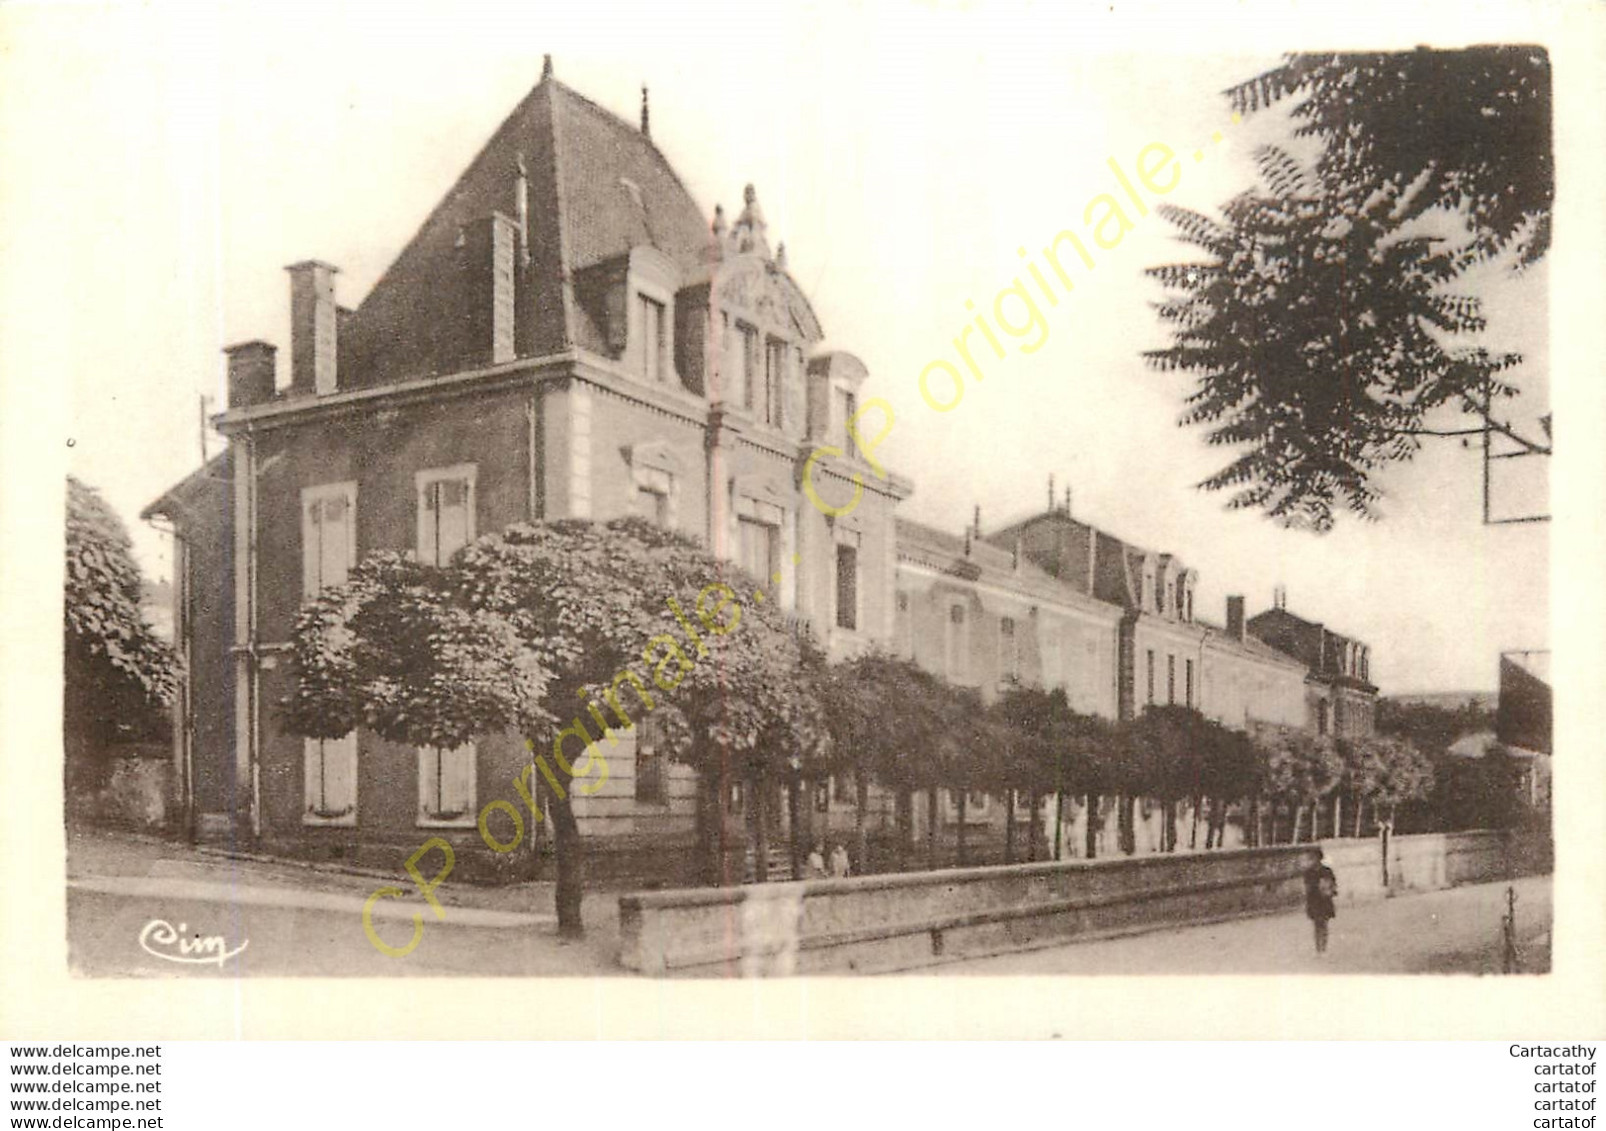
<point x="652" y="320"/>
<point x="847" y="587"/>
<point x="847" y="406"/>
<point x="774" y="380"/>
<point x="904" y="627"/>
<point x="1151" y="675"/>
<point x="445" y="512"/>
<point x="1170" y="679"/>
<point x="1008" y="651"/>
<point x="749" y="371"/>
<point x="958" y="646"/>
<point x="328" y="536"/>
<point x="1187" y="686"/>
<point x="1321" y="717"/>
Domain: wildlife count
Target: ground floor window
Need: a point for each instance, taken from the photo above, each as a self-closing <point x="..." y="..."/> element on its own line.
<point x="330" y="766"/>
<point x="446" y="785"/>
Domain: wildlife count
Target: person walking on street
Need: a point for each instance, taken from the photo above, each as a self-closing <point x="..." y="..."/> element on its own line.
<point x="1321" y="885"/>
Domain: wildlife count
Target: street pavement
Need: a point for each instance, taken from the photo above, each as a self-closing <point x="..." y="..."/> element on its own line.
<point x="1455" y="931"/>
<point x="293" y="920"/>
<point x="299" y="921"/>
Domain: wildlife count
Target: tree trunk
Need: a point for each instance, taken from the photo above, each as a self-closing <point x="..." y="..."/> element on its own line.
<point x="1034" y="830"/>
<point x="1299" y="815"/>
<point x="794" y="826"/>
<point x="757" y="787"/>
<point x="964" y="796"/>
<point x="1090" y="832"/>
<point x="1009" y="826"/>
<point x="906" y="828"/>
<point x="1358" y="826"/>
<point x="1059" y="821"/>
<point x="571" y="864"/>
<point x="1170" y="834"/>
<point x="1254" y="833"/>
<point x="1127" y="823"/>
<point x="861" y="827"/>
<point x="1338" y="813"/>
<point x="931" y="829"/>
<point x="1193" y="831"/>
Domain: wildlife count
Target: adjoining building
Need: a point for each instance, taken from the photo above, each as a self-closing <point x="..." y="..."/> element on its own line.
<point x="1343" y="698"/>
<point x="568" y="335"/>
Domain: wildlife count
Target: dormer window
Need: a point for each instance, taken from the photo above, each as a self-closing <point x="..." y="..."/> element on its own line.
<point x="774" y="379"/>
<point x="652" y="319"/>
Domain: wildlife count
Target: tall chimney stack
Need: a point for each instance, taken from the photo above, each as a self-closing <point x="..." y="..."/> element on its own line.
<point x="1235" y="618"/>
<point x="1279" y="597"/>
<point x="646" y="123"/>
<point x="312" y="327"/>
<point x="251" y="371"/>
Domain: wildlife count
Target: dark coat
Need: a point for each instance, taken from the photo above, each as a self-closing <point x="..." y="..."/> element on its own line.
<point x="1320" y="888"/>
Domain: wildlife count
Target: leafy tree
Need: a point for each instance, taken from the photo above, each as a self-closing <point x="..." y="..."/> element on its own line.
<point x="886" y="716"/>
<point x="1318" y="337"/>
<point x="544" y="621"/>
<point x="118" y="674"/>
<point x="1054" y="750"/>
<point x="1393" y="772"/>
<point x="1300" y="770"/>
<point x="1472" y="126"/>
<point x="1318" y="324"/>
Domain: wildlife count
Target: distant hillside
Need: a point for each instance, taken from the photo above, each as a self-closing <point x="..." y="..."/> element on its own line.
<point x="1448" y="700"/>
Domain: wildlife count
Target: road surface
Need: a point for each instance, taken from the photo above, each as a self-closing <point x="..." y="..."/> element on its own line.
<point x="1455" y="931"/>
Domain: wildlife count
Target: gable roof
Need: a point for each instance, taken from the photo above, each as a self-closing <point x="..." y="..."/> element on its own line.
<point x="596" y="187"/>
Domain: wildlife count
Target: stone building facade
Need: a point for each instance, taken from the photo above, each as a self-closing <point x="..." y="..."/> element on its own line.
<point x="569" y="335"/>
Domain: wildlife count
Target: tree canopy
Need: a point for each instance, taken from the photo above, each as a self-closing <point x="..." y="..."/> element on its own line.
<point x="118" y="672"/>
<point x="1322" y="326"/>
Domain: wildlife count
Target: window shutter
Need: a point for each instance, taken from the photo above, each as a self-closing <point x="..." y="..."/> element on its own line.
<point x="340" y="775"/>
<point x="457" y="781"/>
<point x="311" y="554"/>
<point x="427" y="523"/>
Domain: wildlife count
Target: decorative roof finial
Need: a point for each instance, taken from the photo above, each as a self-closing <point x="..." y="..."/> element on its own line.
<point x="780" y="255"/>
<point x="749" y="229"/>
<point x="646" y="129"/>
<point x="719" y="220"/>
<point x="546" y="67"/>
<point x="1051" y="491"/>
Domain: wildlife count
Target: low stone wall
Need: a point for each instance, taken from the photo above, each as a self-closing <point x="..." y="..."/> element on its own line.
<point x="893" y="922"/>
<point x="890" y="922"/>
<point x="133" y="790"/>
<point x="1431" y="861"/>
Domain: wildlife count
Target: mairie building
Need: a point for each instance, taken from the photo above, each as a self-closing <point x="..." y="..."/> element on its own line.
<point x="570" y="335"/>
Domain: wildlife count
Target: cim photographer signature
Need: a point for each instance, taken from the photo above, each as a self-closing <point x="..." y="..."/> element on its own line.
<point x="160" y="939"/>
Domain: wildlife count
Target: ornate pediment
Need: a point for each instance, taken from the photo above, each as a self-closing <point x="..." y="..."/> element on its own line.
<point x="656" y="454"/>
<point x="753" y="287"/>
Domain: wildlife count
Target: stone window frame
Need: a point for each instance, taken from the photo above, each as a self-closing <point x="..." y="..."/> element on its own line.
<point x="655" y="465"/>
<point x="467" y="474"/>
<point x="426" y="819"/>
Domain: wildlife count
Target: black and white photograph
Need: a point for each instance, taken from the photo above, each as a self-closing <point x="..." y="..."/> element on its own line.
<point x="911" y="493"/>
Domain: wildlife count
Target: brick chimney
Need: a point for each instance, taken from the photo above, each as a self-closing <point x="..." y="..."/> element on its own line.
<point x="1235" y="618"/>
<point x="251" y="370"/>
<point x="313" y="325"/>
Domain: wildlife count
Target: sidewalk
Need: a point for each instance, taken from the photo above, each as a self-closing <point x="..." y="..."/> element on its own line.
<point x="130" y="864"/>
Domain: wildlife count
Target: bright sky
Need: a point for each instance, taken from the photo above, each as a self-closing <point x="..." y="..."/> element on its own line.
<point x="902" y="153"/>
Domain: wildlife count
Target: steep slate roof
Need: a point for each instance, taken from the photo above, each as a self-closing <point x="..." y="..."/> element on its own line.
<point x="596" y="187"/>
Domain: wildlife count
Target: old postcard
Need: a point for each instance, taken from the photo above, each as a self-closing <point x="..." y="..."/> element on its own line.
<point x="998" y="521"/>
